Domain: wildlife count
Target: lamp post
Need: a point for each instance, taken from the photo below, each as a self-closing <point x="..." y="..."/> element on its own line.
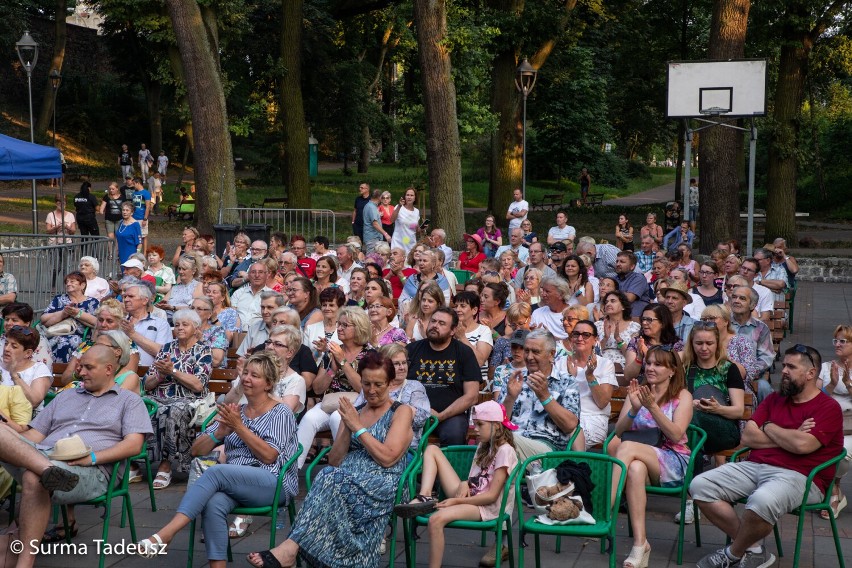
<point x="27" y="49"/>
<point x="525" y="76"/>
<point x="55" y="81"/>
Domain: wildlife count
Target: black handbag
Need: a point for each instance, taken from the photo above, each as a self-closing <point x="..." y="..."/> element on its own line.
<point x="650" y="436"/>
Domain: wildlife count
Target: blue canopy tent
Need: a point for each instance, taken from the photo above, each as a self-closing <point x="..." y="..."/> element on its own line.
<point x="25" y="160"/>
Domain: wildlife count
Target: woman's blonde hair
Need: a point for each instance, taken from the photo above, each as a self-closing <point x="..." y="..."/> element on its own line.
<point x="112" y="306"/>
<point x="720" y="311"/>
<point x="689" y="357"/>
<point x="517" y="312"/>
<point x="269" y="366"/>
<point x="357" y="317"/>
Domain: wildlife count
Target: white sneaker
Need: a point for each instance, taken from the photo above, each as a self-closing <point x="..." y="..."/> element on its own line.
<point x="383" y="546"/>
<point x="690" y="516"/>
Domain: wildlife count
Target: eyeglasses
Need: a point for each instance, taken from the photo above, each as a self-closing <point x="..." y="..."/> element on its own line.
<point x="840" y="341"/>
<point x="706" y="272"/>
<point x="375" y="307"/>
<point x="709" y="318"/>
<point x="583" y="334"/>
<point x="729" y="286"/>
<point x="648" y="320"/>
<point x="747" y="270"/>
<point x="258" y="249"/>
<point x="22" y="329"/>
<point x="344" y="325"/>
<point x="704" y="324"/>
<point x="569" y="319"/>
<point x="277" y="344"/>
<point x="803" y="349"/>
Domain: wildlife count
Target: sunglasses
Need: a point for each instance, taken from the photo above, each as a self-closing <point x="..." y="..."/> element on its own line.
<point x="840" y="341"/>
<point x="648" y="320"/>
<point x="666" y="348"/>
<point x="22" y="329"/>
<point x="583" y="334"/>
<point x="803" y="349"/>
<point x="704" y="324"/>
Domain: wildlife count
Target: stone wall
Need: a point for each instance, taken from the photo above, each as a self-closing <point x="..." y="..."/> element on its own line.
<point x="830" y="269"/>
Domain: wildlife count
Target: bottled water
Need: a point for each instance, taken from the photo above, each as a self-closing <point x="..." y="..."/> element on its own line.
<point x="282" y="515"/>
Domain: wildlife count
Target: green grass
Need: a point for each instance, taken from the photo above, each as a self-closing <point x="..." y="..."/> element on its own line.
<point x="332" y="189"/>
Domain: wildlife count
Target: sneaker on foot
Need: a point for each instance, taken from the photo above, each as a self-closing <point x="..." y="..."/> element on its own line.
<point x="690" y="514"/>
<point x="383" y="547"/>
<point x="718" y="559"/>
<point x="762" y="559"/>
<point x="489" y="559"/>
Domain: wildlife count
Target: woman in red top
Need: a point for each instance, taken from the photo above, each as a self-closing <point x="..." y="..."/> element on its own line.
<point x="473" y="255"/>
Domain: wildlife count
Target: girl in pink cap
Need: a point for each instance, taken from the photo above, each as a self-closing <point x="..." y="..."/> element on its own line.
<point x="476" y="499"/>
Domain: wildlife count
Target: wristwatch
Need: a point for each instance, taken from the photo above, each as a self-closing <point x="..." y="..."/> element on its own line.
<point x="764" y="425"/>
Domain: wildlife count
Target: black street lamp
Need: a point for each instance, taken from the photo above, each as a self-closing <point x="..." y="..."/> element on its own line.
<point x="525" y="76"/>
<point x="55" y="81"/>
<point x="27" y="49"/>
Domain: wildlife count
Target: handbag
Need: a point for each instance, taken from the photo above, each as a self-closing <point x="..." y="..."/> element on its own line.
<point x="546" y="478"/>
<point x="722" y="433"/>
<point x="649" y="436"/>
<point x="203" y="407"/>
<point x="68" y="326"/>
<point x="199" y="465"/>
<point x="331" y="400"/>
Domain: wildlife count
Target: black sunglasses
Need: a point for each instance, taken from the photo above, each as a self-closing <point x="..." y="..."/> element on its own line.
<point x="667" y="348"/>
<point x="804" y="350"/>
<point x="583" y="334"/>
<point x="702" y="324"/>
<point x="22" y="329"/>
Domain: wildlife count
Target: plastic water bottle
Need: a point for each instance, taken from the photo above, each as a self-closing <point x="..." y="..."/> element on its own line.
<point x="282" y="512"/>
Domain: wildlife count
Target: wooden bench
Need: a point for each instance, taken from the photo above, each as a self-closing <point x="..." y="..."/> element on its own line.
<point x="549" y="201"/>
<point x="273" y="202"/>
<point x="594" y="199"/>
<point x="221" y="380"/>
<point x="77" y="172"/>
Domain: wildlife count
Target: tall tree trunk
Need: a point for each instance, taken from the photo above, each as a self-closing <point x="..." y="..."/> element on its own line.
<point x="295" y="129"/>
<point x="214" y="170"/>
<point x="797" y="41"/>
<point x="506" y="141"/>
<point x="366" y="150"/>
<point x="443" y="149"/>
<point x="60" y="34"/>
<point x="153" y="90"/>
<point x="721" y="146"/>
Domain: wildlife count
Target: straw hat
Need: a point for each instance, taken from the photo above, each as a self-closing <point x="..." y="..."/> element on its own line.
<point x="71" y="448"/>
<point x="680" y="288"/>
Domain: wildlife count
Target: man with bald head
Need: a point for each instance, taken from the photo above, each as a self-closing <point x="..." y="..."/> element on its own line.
<point x="112" y="424"/>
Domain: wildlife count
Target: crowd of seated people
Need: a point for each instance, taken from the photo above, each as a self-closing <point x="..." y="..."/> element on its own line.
<point x="357" y="350"/>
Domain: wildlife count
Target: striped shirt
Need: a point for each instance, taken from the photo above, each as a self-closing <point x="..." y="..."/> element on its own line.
<point x="277" y="427"/>
<point x="101" y="421"/>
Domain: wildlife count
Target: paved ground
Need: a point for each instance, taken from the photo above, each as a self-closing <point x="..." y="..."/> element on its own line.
<point x="819" y="308"/>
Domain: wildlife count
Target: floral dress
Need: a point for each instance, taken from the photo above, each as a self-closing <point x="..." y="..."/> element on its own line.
<point x="63" y="346"/>
<point x="393" y="335"/>
<point x="215" y="337"/>
<point x="344" y="514"/>
<point x="673" y="457"/>
<point x="743" y="350"/>
<point x="609" y="344"/>
<point x="229" y="319"/>
<point x="173" y="432"/>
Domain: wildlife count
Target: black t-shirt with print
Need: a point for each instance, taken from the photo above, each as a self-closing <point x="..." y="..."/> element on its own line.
<point x="443" y="373"/>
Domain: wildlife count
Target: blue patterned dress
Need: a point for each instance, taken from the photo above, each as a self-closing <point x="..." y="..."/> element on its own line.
<point x="345" y="512"/>
<point x="63" y="346"/>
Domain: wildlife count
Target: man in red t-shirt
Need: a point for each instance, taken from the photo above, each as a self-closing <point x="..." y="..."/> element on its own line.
<point x="790" y="433"/>
<point x="306" y="266"/>
<point x="397" y="272"/>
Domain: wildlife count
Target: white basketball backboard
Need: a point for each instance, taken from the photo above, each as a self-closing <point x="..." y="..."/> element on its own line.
<point x="722" y="88"/>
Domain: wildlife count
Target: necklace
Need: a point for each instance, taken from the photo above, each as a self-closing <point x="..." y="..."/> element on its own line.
<point x="381" y="332"/>
<point x="123" y="226"/>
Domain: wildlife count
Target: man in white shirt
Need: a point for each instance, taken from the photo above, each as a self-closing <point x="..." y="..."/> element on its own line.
<point x="146" y="160"/>
<point x="346" y="257"/>
<point x="518" y="210"/>
<point x="148" y="332"/>
<point x="765" y="301"/>
<point x="247" y="299"/>
<point x="438" y="237"/>
<point x="258" y="331"/>
<point x="516" y="240"/>
<point x="562" y="231"/>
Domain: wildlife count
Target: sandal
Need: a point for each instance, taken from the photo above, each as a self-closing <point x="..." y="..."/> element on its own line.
<point x="151" y="547"/>
<point x="135" y="475"/>
<point x="638" y="556"/>
<point x="837" y="503"/>
<point x="57" y="533"/>
<point x="421" y="505"/>
<point x="239" y="526"/>
<point x="267" y="560"/>
<point x="162" y="480"/>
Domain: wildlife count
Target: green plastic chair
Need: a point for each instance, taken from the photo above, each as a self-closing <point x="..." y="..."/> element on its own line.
<point x="151" y="406"/>
<point x="695" y="440"/>
<point x="402" y="488"/>
<point x="105" y="501"/>
<point x="804" y="507"/>
<point x="462" y="275"/>
<point x="605" y="509"/>
<point x="461" y="458"/>
<point x="270" y="511"/>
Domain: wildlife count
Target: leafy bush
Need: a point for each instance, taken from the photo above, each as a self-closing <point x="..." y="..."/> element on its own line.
<point x="637" y="170"/>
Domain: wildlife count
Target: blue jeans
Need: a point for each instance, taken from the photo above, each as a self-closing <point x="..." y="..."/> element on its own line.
<point x="218" y="491"/>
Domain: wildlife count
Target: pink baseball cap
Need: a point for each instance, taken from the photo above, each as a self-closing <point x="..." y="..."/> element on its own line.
<point x="492" y="411"/>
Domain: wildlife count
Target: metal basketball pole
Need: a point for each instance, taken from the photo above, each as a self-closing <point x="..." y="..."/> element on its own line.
<point x="687" y="166"/>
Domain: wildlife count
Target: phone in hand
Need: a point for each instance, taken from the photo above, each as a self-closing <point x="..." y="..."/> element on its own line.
<point x="424" y="224"/>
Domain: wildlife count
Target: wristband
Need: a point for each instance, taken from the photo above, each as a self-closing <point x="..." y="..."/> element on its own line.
<point x="216" y="440"/>
<point x="94" y="458"/>
<point x="359" y="432"/>
<point x="632" y="416"/>
<point x="593" y="383"/>
<point x="547" y="401"/>
<point x="79" y="313"/>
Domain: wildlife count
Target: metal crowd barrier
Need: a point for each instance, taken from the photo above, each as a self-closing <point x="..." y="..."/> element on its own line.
<point x="306" y="222"/>
<point x="40" y="266"/>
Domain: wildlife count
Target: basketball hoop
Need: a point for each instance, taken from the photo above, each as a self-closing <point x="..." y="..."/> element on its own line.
<point x="714" y="111"/>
